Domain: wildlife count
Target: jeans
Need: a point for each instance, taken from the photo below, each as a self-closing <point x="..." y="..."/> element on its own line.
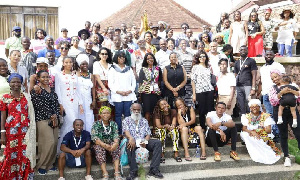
<point x="121" y="108"/>
<point x="267" y="104"/>
<point x="287" y="48"/>
<point x="242" y="93"/>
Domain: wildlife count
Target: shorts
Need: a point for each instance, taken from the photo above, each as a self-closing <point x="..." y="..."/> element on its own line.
<point x="289" y="101"/>
<point x="71" y="163"/>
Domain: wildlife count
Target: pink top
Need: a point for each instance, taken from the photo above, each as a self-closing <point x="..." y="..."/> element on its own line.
<point x="274" y="99"/>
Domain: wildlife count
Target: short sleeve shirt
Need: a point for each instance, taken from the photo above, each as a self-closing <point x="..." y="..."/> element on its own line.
<point x="69" y="140"/>
<point x="13" y="43"/>
<point x="138" y="131"/>
<point x="215" y="119"/>
<point x="244" y="69"/>
<point x="225" y="82"/>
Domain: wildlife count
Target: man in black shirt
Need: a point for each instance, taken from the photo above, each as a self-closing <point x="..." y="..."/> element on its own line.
<point x="90" y="53"/>
<point x="245" y="70"/>
<point x="156" y="38"/>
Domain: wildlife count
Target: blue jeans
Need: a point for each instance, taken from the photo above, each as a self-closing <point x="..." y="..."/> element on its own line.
<point x="121" y="108"/>
<point x="267" y="104"/>
<point x="287" y="48"/>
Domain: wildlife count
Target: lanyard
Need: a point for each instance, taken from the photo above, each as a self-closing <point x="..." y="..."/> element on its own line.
<point x="105" y="128"/>
<point x="241" y="64"/>
<point x="78" y="141"/>
<point x="152" y="74"/>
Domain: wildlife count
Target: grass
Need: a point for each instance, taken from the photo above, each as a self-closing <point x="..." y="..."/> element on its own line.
<point x="142" y="172"/>
<point x="294" y="150"/>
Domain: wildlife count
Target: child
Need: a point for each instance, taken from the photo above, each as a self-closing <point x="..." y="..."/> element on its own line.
<point x="289" y="100"/>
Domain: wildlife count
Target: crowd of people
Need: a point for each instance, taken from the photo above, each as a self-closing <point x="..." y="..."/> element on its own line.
<point x="87" y="92"/>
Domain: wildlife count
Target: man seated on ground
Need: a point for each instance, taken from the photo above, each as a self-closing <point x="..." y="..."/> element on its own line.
<point x="220" y="129"/>
<point x="137" y="130"/>
<point x="76" y="151"/>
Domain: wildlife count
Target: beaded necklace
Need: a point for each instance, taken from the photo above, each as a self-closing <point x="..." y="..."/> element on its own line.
<point x="87" y="76"/>
<point x="17" y="99"/>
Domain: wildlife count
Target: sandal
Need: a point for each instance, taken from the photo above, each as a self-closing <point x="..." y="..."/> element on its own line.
<point x="202" y="157"/>
<point x="105" y="177"/>
<point x="234" y="155"/>
<point x="188" y="158"/>
<point x="118" y="177"/>
<point x="217" y="156"/>
<point x="162" y="160"/>
<point x="178" y="159"/>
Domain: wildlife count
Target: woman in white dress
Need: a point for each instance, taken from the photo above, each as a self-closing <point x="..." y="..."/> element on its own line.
<point x="86" y="91"/>
<point x="238" y="33"/>
<point x="66" y="88"/>
<point x="256" y="130"/>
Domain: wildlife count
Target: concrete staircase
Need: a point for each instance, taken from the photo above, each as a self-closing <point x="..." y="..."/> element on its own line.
<point x="245" y="169"/>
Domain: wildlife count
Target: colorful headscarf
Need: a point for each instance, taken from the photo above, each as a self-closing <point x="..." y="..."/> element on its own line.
<point x="275" y="71"/>
<point x="15" y="75"/>
<point x="104" y="108"/>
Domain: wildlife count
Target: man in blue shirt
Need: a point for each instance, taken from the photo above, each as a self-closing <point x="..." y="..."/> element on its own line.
<point x="49" y="48"/>
<point x="76" y="151"/>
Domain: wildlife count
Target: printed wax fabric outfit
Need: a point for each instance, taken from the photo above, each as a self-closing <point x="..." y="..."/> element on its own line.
<point x="262" y="150"/>
<point x="106" y="134"/>
<point x="186" y="60"/>
<point x="149" y="89"/>
<point x="45" y="105"/>
<point x="164" y="132"/>
<point x="175" y="76"/>
<point x="287" y="119"/>
<point x="255" y="45"/>
<point x="85" y="86"/>
<point x="201" y="76"/>
<point x="285" y="38"/>
<point x="66" y="88"/>
<point x="268" y="36"/>
<point x="238" y="37"/>
<point x="100" y="70"/>
<point x="28" y="60"/>
<point x="16" y="165"/>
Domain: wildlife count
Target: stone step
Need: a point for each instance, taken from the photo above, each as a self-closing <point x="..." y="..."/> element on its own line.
<point x="271" y="172"/>
<point x="168" y="168"/>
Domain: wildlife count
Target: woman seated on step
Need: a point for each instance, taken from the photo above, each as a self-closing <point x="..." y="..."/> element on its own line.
<point x="256" y="130"/>
<point x="186" y="119"/>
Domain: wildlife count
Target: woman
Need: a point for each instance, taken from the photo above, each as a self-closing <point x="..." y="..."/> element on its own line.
<point x="174" y="77"/>
<point x="171" y="44"/>
<point x="226" y="31"/>
<point x="75" y="49"/>
<point x="105" y="136"/>
<point x="150" y="78"/>
<point x="205" y="38"/>
<point x="15" y="67"/>
<point x="165" y="124"/>
<point x="100" y="72"/>
<point x="255" y="33"/>
<point x="274" y="96"/>
<point x="238" y="33"/>
<point x="46" y="108"/>
<point x="227" y="54"/>
<point x="269" y="25"/>
<point x="4" y="74"/>
<point x="169" y="33"/>
<point x="186" y="120"/>
<point x="287" y="32"/>
<point x="203" y="91"/>
<point x="122" y="83"/>
<point x="193" y="45"/>
<point x="200" y="46"/>
<point x="86" y="91"/>
<point x="148" y="36"/>
<point x="64" y="50"/>
<point x="66" y="88"/>
<point x="256" y="127"/>
<point x="38" y="43"/>
<point x="221" y="25"/>
<point x="219" y="39"/>
<point x="17" y="132"/>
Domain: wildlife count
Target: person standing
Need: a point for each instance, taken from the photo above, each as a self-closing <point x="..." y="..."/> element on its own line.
<point x="88" y="44"/>
<point x="269" y="25"/>
<point x="14" y="42"/>
<point x="49" y="47"/>
<point x="38" y="43"/>
<point x="75" y="49"/>
<point x="28" y="58"/>
<point x="64" y="37"/>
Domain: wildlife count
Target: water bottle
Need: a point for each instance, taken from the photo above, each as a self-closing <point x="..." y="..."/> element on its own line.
<point x="197" y="151"/>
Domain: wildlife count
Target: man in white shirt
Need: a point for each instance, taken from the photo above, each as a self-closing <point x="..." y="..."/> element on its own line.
<point x="220" y="129"/>
<point x="162" y="56"/>
<point x="214" y="58"/>
<point x="266" y="82"/>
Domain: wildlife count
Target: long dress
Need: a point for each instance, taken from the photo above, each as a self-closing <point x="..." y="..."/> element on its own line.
<point x="66" y="88"/>
<point x="15" y="163"/>
<point x="238" y="37"/>
<point x="85" y="86"/>
<point x="258" y="149"/>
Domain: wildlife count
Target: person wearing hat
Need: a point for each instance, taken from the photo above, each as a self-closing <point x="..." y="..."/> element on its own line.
<point x="42" y="65"/>
<point x="287" y="32"/>
<point x="64" y="37"/>
<point x="14" y="42"/>
<point x="49" y="47"/>
<point x="269" y="25"/>
<point x="96" y="30"/>
<point x="83" y="34"/>
<point x="156" y="38"/>
<point x="162" y="27"/>
<point x="117" y="31"/>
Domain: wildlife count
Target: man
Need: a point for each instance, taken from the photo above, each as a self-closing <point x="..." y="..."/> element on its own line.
<point x="76" y="151"/>
<point x="140" y="138"/>
<point x="96" y="46"/>
<point x="75" y="49"/>
<point x="148" y="38"/>
<point x="90" y="53"/>
<point x="28" y="58"/>
<point x="245" y="71"/>
<point x="156" y="38"/>
<point x="123" y="30"/>
<point x="214" y="58"/>
<point x="131" y="44"/>
<point x="220" y="129"/>
<point x="184" y="27"/>
<point x="14" y="42"/>
<point x="117" y="31"/>
<point x="64" y="33"/>
<point x="189" y="35"/>
<point x="108" y="40"/>
<point x="49" y="47"/>
<point x="117" y="47"/>
<point x="136" y="35"/>
<point x="84" y="35"/>
<point x="207" y="30"/>
<point x="162" y="56"/>
<point x="87" y="25"/>
<point x="265" y="81"/>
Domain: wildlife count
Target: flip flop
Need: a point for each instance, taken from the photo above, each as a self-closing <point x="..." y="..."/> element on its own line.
<point x="188" y="158"/>
<point x="162" y="160"/>
<point x="202" y="157"/>
<point x="178" y="159"/>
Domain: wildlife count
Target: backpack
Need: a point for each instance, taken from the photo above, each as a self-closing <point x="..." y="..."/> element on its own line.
<point x="124" y="156"/>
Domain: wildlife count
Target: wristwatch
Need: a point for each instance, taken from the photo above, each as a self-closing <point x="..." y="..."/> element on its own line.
<point x="253" y="88"/>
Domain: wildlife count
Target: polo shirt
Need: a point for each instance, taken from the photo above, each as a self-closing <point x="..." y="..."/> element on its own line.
<point x="244" y="78"/>
<point x="14" y="43"/>
<point x="68" y="140"/>
<point x="43" y="52"/>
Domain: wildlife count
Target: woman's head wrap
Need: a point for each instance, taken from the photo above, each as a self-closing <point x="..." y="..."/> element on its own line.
<point x="275" y="71"/>
<point x="15" y="75"/>
<point x="254" y="101"/>
<point x="81" y="58"/>
<point x="104" y="108"/>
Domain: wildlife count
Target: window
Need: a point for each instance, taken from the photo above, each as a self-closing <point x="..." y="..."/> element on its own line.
<point x="29" y="19"/>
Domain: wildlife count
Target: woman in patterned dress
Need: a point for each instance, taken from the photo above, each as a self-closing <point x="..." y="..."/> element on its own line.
<point x="16" y="127"/>
<point x="269" y="25"/>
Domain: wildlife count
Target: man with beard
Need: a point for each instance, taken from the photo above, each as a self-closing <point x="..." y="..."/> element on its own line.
<point x="90" y="53"/>
<point x="28" y="58"/>
<point x="96" y="45"/>
<point x="137" y="131"/>
<point x="14" y="42"/>
<point x="49" y="48"/>
<point x="108" y="40"/>
<point x="245" y="71"/>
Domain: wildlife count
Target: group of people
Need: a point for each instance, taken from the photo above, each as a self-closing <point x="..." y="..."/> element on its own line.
<point x="89" y="91"/>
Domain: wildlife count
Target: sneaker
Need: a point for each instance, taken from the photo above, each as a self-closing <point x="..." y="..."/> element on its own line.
<point x="132" y="175"/>
<point x="156" y="173"/>
<point x="88" y="177"/>
<point x="287" y="162"/>
<point x="61" y="178"/>
<point x="42" y="171"/>
<point x="53" y="169"/>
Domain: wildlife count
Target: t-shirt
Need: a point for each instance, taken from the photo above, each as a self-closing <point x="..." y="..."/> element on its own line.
<point x="266" y="81"/>
<point x="62" y="39"/>
<point x="5" y="88"/>
<point x="253" y="27"/>
<point x="13" y="43"/>
<point x="244" y="78"/>
<point x="215" y="119"/>
<point x="225" y="82"/>
<point x="285" y="33"/>
<point x="81" y="141"/>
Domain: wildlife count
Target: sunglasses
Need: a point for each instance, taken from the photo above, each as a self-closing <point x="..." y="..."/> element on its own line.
<point x="253" y="15"/>
<point x="184" y="27"/>
<point x="64" y="48"/>
<point x="75" y="39"/>
<point x="204" y="36"/>
<point x="202" y="56"/>
<point x="104" y="54"/>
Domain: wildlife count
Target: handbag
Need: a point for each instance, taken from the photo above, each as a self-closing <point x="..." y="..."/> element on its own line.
<point x="213" y="80"/>
<point x="102" y="97"/>
<point x="141" y="155"/>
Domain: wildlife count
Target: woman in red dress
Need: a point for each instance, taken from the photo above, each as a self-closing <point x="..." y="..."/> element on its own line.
<point x="16" y="163"/>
